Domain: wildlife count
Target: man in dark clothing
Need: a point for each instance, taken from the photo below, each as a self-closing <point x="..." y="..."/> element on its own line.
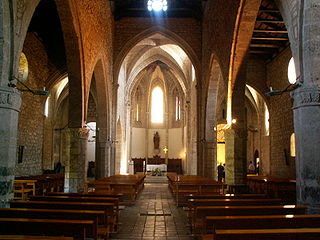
<point x="220" y="172"/>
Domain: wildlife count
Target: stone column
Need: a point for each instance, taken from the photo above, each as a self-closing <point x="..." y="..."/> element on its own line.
<point x="75" y="170"/>
<point x="102" y="154"/>
<point x="306" y="108"/>
<point x="10" y="102"/>
<point x="236" y="161"/>
<point x="210" y="159"/>
<point x="307" y="130"/>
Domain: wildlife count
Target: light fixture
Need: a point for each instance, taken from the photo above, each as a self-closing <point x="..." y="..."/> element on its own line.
<point x="234" y="121"/>
<point x="34" y="92"/>
<point x="289" y="88"/>
<point x="157" y="5"/>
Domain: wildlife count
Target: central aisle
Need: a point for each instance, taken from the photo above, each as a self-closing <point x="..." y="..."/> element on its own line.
<point x="154" y="216"/>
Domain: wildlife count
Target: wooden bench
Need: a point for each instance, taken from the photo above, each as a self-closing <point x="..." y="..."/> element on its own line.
<point x="29" y="237"/>
<point x="199" y="214"/>
<point x="266" y="234"/>
<point x="115" y="201"/>
<point x="108" y="208"/>
<point x="95" y="215"/>
<point x="88" y="194"/>
<point x="49" y="227"/>
<point x="213" y="223"/>
<point x="225" y="196"/>
<point x="23" y="188"/>
<point x="192" y="203"/>
<point x="182" y="186"/>
<point x="127" y="185"/>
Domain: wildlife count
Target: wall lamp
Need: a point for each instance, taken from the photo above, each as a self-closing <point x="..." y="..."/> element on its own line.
<point x="34" y="92"/>
<point x="289" y="88"/>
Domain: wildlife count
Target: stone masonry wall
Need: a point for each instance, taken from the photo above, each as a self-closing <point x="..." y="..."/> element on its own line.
<point x="188" y="29"/>
<point x="281" y="118"/>
<point x="31" y="117"/>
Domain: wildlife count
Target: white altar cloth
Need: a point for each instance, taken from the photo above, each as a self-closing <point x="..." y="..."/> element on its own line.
<point x="152" y="167"/>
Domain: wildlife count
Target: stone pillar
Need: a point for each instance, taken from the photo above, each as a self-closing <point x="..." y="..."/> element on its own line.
<point x="102" y="154"/>
<point x="210" y="159"/>
<point x="236" y="161"/>
<point x="306" y="110"/>
<point x="75" y="170"/>
<point x="10" y="102"/>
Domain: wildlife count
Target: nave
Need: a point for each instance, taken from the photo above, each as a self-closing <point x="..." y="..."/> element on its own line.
<point x="153" y="216"/>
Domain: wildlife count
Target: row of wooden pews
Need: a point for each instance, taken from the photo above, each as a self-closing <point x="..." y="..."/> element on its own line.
<point x="248" y="217"/>
<point x="93" y="214"/>
<point x="127" y="185"/>
<point x="183" y="185"/>
<point x="283" y="188"/>
<point x="79" y="215"/>
<point x="25" y="186"/>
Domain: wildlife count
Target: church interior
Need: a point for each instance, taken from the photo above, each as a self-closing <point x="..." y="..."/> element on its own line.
<point x="159" y="111"/>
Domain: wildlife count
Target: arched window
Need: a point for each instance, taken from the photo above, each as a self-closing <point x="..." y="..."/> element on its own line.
<point x="157" y="105"/>
<point x="137" y="105"/>
<point x="292" y="76"/>
<point x="292" y="145"/>
<point x="178" y="111"/>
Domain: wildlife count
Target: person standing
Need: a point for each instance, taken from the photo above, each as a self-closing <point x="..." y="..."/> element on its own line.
<point x="220" y="172"/>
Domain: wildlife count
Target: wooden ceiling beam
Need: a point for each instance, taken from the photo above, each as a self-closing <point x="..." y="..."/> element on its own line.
<point x="269" y="10"/>
<point x="269" y="20"/>
<point x="260" y="45"/>
<point x="269" y="31"/>
<point x="271" y="38"/>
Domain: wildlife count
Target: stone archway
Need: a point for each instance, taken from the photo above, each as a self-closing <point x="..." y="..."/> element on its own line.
<point x="214" y="104"/>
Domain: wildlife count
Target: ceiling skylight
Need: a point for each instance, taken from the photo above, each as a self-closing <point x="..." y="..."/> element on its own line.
<point x="157" y="5"/>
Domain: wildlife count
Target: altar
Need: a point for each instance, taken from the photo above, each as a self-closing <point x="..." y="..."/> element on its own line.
<point x="153" y="167"/>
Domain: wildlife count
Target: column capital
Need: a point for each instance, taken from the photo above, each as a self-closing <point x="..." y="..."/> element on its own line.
<point x="10" y="98"/>
<point x="79" y="132"/>
<point x="306" y="97"/>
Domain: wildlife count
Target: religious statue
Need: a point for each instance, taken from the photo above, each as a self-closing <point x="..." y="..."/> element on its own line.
<point x="156" y="140"/>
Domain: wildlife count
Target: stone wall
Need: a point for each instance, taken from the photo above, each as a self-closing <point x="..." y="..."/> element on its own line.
<point x="188" y="29"/>
<point x="281" y="118"/>
<point x="31" y="117"/>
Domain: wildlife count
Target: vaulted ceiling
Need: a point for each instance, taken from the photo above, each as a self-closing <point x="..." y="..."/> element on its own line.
<point x="270" y="35"/>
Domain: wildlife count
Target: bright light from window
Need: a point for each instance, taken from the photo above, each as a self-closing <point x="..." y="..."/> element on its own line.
<point x="292" y="76"/>
<point x="157" y="105"/>
<point x="137" y="113"/>
<point x="266" y="120"/>
<point x="292" y="145"/>
<point x="157" y="5"/>
<point x="46" y="108"/>
<point x="177" y="108"/>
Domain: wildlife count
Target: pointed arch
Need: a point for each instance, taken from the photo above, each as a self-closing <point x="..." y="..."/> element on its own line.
<point x="149" y="32"/>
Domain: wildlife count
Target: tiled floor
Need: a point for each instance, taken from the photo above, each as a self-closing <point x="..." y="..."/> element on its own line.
<point x="154" y="217"/>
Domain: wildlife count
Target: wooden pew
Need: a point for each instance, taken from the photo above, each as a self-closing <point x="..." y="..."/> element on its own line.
<point x="266" y="234"/>
<point x="29" y="237"/>
<point x="127" y="185"/>
<point x="225" y="196"/>
<point x="52" y="227"/>
<point x="87" y="194"/>
<point x="97" y="216"/>
<point x="192" y="203"/>
<point x="108" y="208"/>
<point x="182" y="186"/>
<point x="213" y="223"/>
<point x="198" y="218"/>
<point x="115" y="201"/>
